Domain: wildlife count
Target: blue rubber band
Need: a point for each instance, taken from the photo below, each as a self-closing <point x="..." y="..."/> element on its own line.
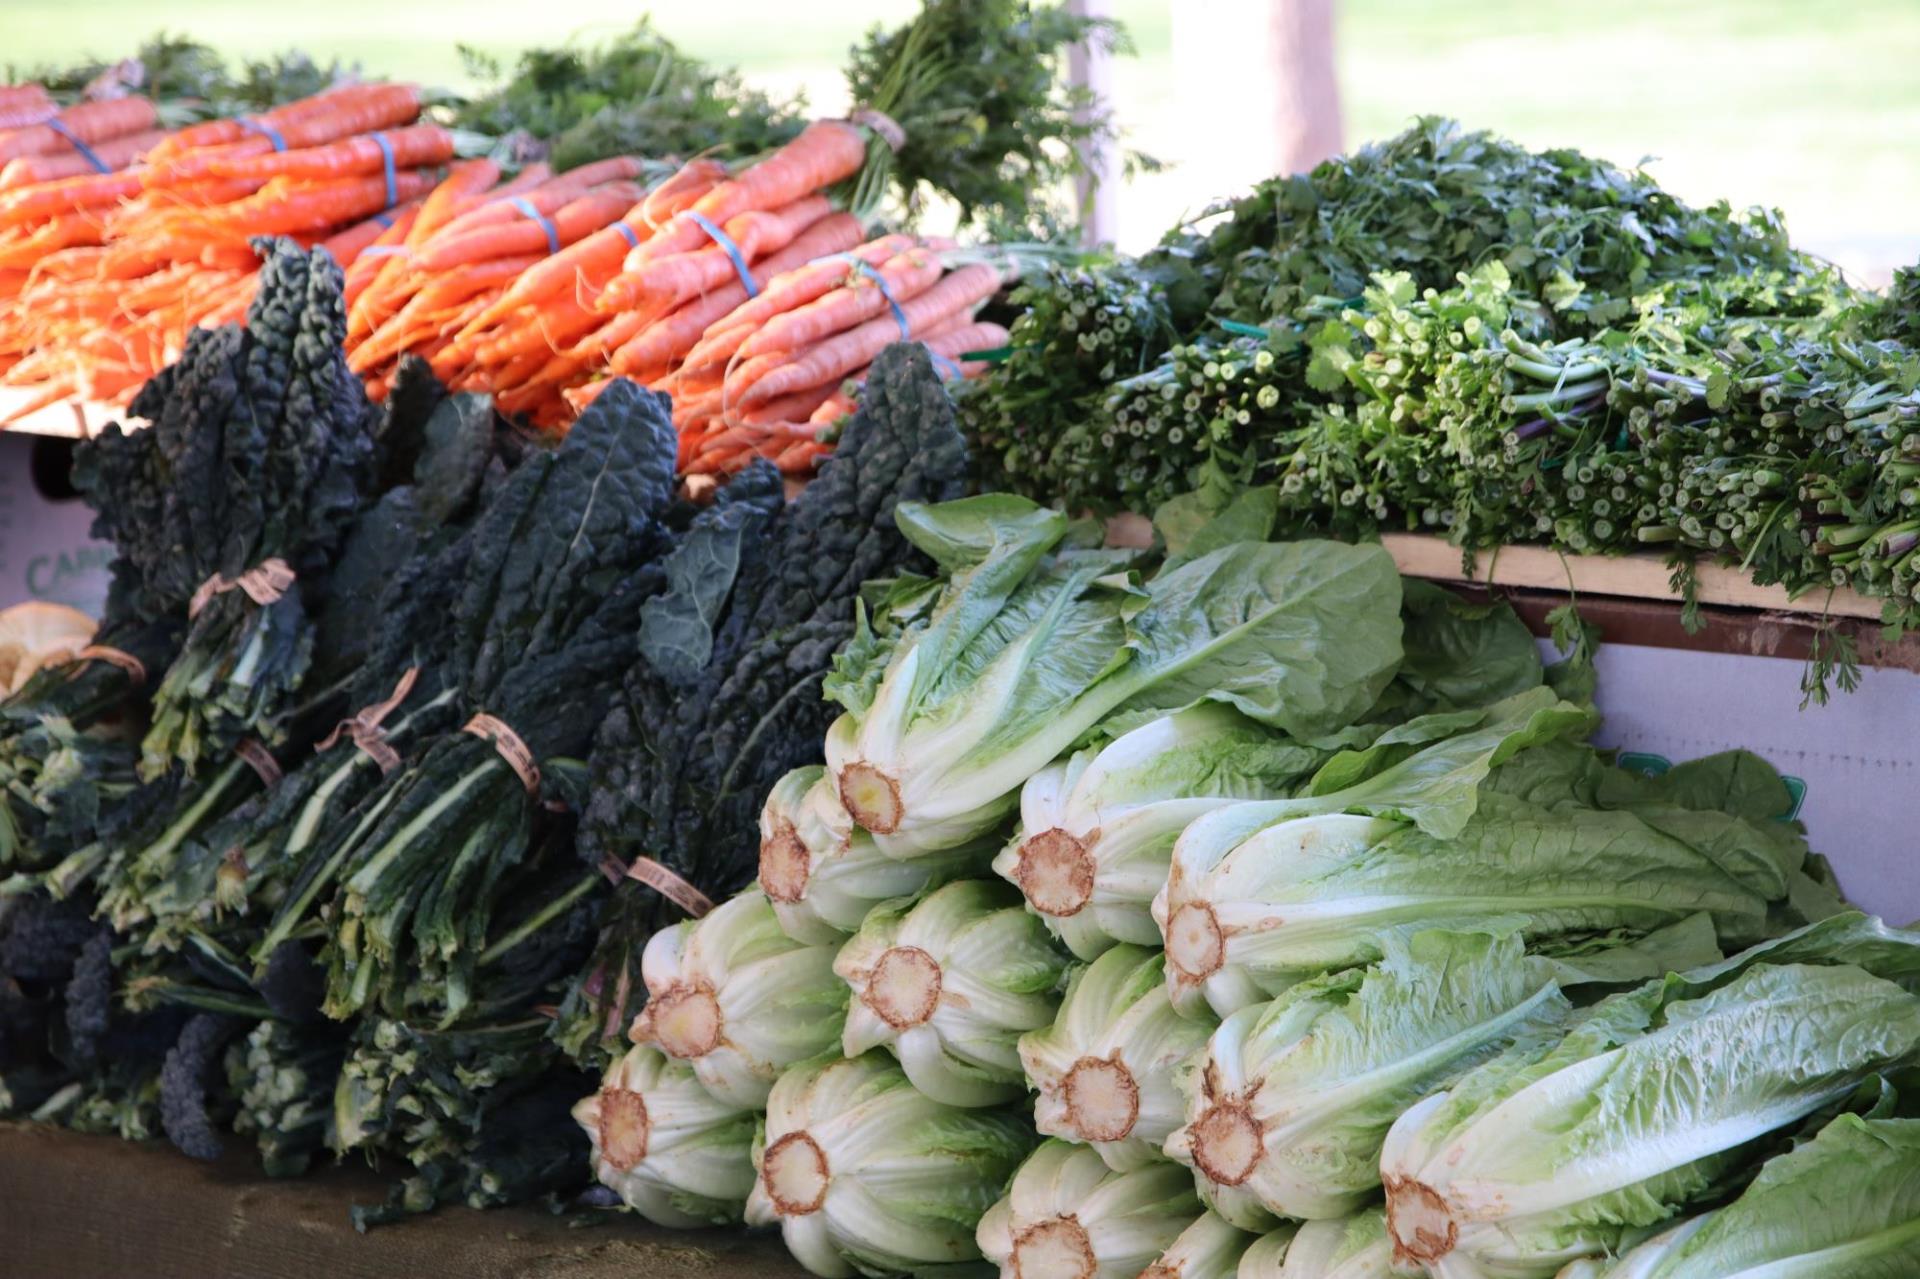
<point x="385" y="144"/>
<point x="720" y="238"/>
<point x="948" y="369"/>
<point x="383" y="251"/>
<point x="86" y="152"/>
<point x="627" y="233"/>
<point x="266" y="131"/>
<point x="384" y="219"/>
<point x="867" y="269"/>
<point x="545" y="223"/>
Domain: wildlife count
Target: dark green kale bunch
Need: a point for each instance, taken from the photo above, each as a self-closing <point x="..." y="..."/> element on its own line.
<point x="726" y="696"/>
<point x="264" y="439"/>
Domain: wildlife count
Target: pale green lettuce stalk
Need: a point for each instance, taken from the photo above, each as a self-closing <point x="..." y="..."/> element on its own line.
<point x="673" y="1153"/>
<point x="1210" y="1248"/>
<point x="1355" y="1247"/>
<point x="1026" y="651"/>
<point x="737" y="999"/>
<point x="948" y="983"/>
<point x="1261" y="895"/>
<point x="1067" y="1213"/>
<point x="1571" y="1147"/>
<point x="866" y="1175"/>
<point x="1097" y="829"/>
<point x="1107" y="1070"/>
<point x="823" y="873"/>
<point x="1287" y="1112"/>
<point x="1844" y="1206"/>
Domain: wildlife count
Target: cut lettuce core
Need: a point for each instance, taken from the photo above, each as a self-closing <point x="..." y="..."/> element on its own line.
<point x="1102" y="1099"/>
<point x="624" y="1128"/>
<point x="795" y="1174"/>
<point x="1058" y="1247"/>
<point x="1056" y="872"/>
<point x="904" y="988"/>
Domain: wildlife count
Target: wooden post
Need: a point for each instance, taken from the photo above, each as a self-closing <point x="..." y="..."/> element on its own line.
<point x="1090" y="66"/>
<point x="1256" y="91"/>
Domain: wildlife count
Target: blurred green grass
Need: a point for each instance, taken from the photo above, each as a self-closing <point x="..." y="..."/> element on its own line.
<point x="1813" y="108"/>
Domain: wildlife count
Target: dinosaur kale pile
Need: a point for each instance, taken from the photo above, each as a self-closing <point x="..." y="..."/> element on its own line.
<point x="727" y="695"/>
<point x="1449" y="333"/>
<point x="389" y="930"/>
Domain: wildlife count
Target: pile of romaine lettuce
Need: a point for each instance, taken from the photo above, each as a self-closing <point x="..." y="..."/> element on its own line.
<point x="1323" y="943"/>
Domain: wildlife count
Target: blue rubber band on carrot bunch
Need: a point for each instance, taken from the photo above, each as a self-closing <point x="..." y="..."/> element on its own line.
<point x="73" y="139"/>
<point x="732" y="250"/>
<point x="525" y="208"/>
<point x="386" y="163"/>
<point x="266" y="131"/>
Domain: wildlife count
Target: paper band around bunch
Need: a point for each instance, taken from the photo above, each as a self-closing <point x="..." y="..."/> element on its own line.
<point x="135" y="668"/>
<point x="80" y="147"/>
<point x="264" y="584"/>
<point x="510" y="747"/>
<point x="363" y="728"/>
<point x="885" y="126"/>
<point x="727" y="246"/>
<point x="670" y="886"/>
<point x="261" y="760"/>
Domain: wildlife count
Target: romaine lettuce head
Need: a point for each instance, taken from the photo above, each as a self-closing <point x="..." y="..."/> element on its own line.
<point x="1355" y="1247"/>
<point x="866" y="1175"/>
<point x="1107" y="1069"/>
<point x="1844" y="1206"/>
<point x="1097" y="829"/>
<point x="1067" y="1213"/>
<point x="1029" y="647"/>
<point x="823" y="874"/>
<point x="737" y="999"/>
<point x="948" y="983"/>
<point x="1210" y="1248"/>
<point x="1654" y="1099"/>
<point x="661" y="1141"/>
<point x="1288" y="1112"/>
<point x="1260" y="897"/>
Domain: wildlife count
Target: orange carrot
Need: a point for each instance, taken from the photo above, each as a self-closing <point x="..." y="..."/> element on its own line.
<point x="116" y="154"/>
<point x="660" y="285"/>
<point x="90" y="122"/>
<point x="577" y="218"/>
<point x="840" y="355"/>
<point x="835" y="406"/>
<point x="552" y="328"/>
<point x="372" y="299"/>
<point x="50" y="198"/>
<point x="678" y="334"/>
<point x="687" y="184"/>
<point x="587" y="264"/>
<point x="906" y="276"/>
<point x="379" y="107"/>
<point x="220" y="132"/>
<point x="444" y="292"/>
<point x="280" y="209"/>
<point x="411" y="148"/>
<point x="789" y="408"/>
<point x="825" y="152"/>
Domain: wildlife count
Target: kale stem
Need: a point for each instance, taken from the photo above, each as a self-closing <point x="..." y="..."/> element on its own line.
<point x="546" y="915"/>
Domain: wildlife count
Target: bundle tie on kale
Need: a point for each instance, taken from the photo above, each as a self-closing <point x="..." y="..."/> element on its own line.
<point x="660" y="880"/>
<point x="364" y="730"/>
<point x="885" y="126"/>
<point x="135" y="668"/>
<point x="264" y="584"/>
<point x="260" y="760"/>
<point x="511" y="748"/>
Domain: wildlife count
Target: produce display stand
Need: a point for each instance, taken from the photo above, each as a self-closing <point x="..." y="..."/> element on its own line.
<point x="68" y="419"/>
<point x="100" y="1208"/>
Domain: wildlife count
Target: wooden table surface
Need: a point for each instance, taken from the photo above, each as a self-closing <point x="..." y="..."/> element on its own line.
<point x="75" y="1207"/>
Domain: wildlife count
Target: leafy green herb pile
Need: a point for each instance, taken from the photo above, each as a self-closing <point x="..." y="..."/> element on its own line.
<point x="635" y="94"/>
<point x="1446" y="332"/>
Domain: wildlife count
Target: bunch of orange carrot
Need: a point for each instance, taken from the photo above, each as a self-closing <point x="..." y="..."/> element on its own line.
<point x="105" y="274"/>
<point x="669" y="291"/>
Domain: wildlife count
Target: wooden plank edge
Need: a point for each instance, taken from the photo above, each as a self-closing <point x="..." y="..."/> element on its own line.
<point x="1644" y="577"/>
